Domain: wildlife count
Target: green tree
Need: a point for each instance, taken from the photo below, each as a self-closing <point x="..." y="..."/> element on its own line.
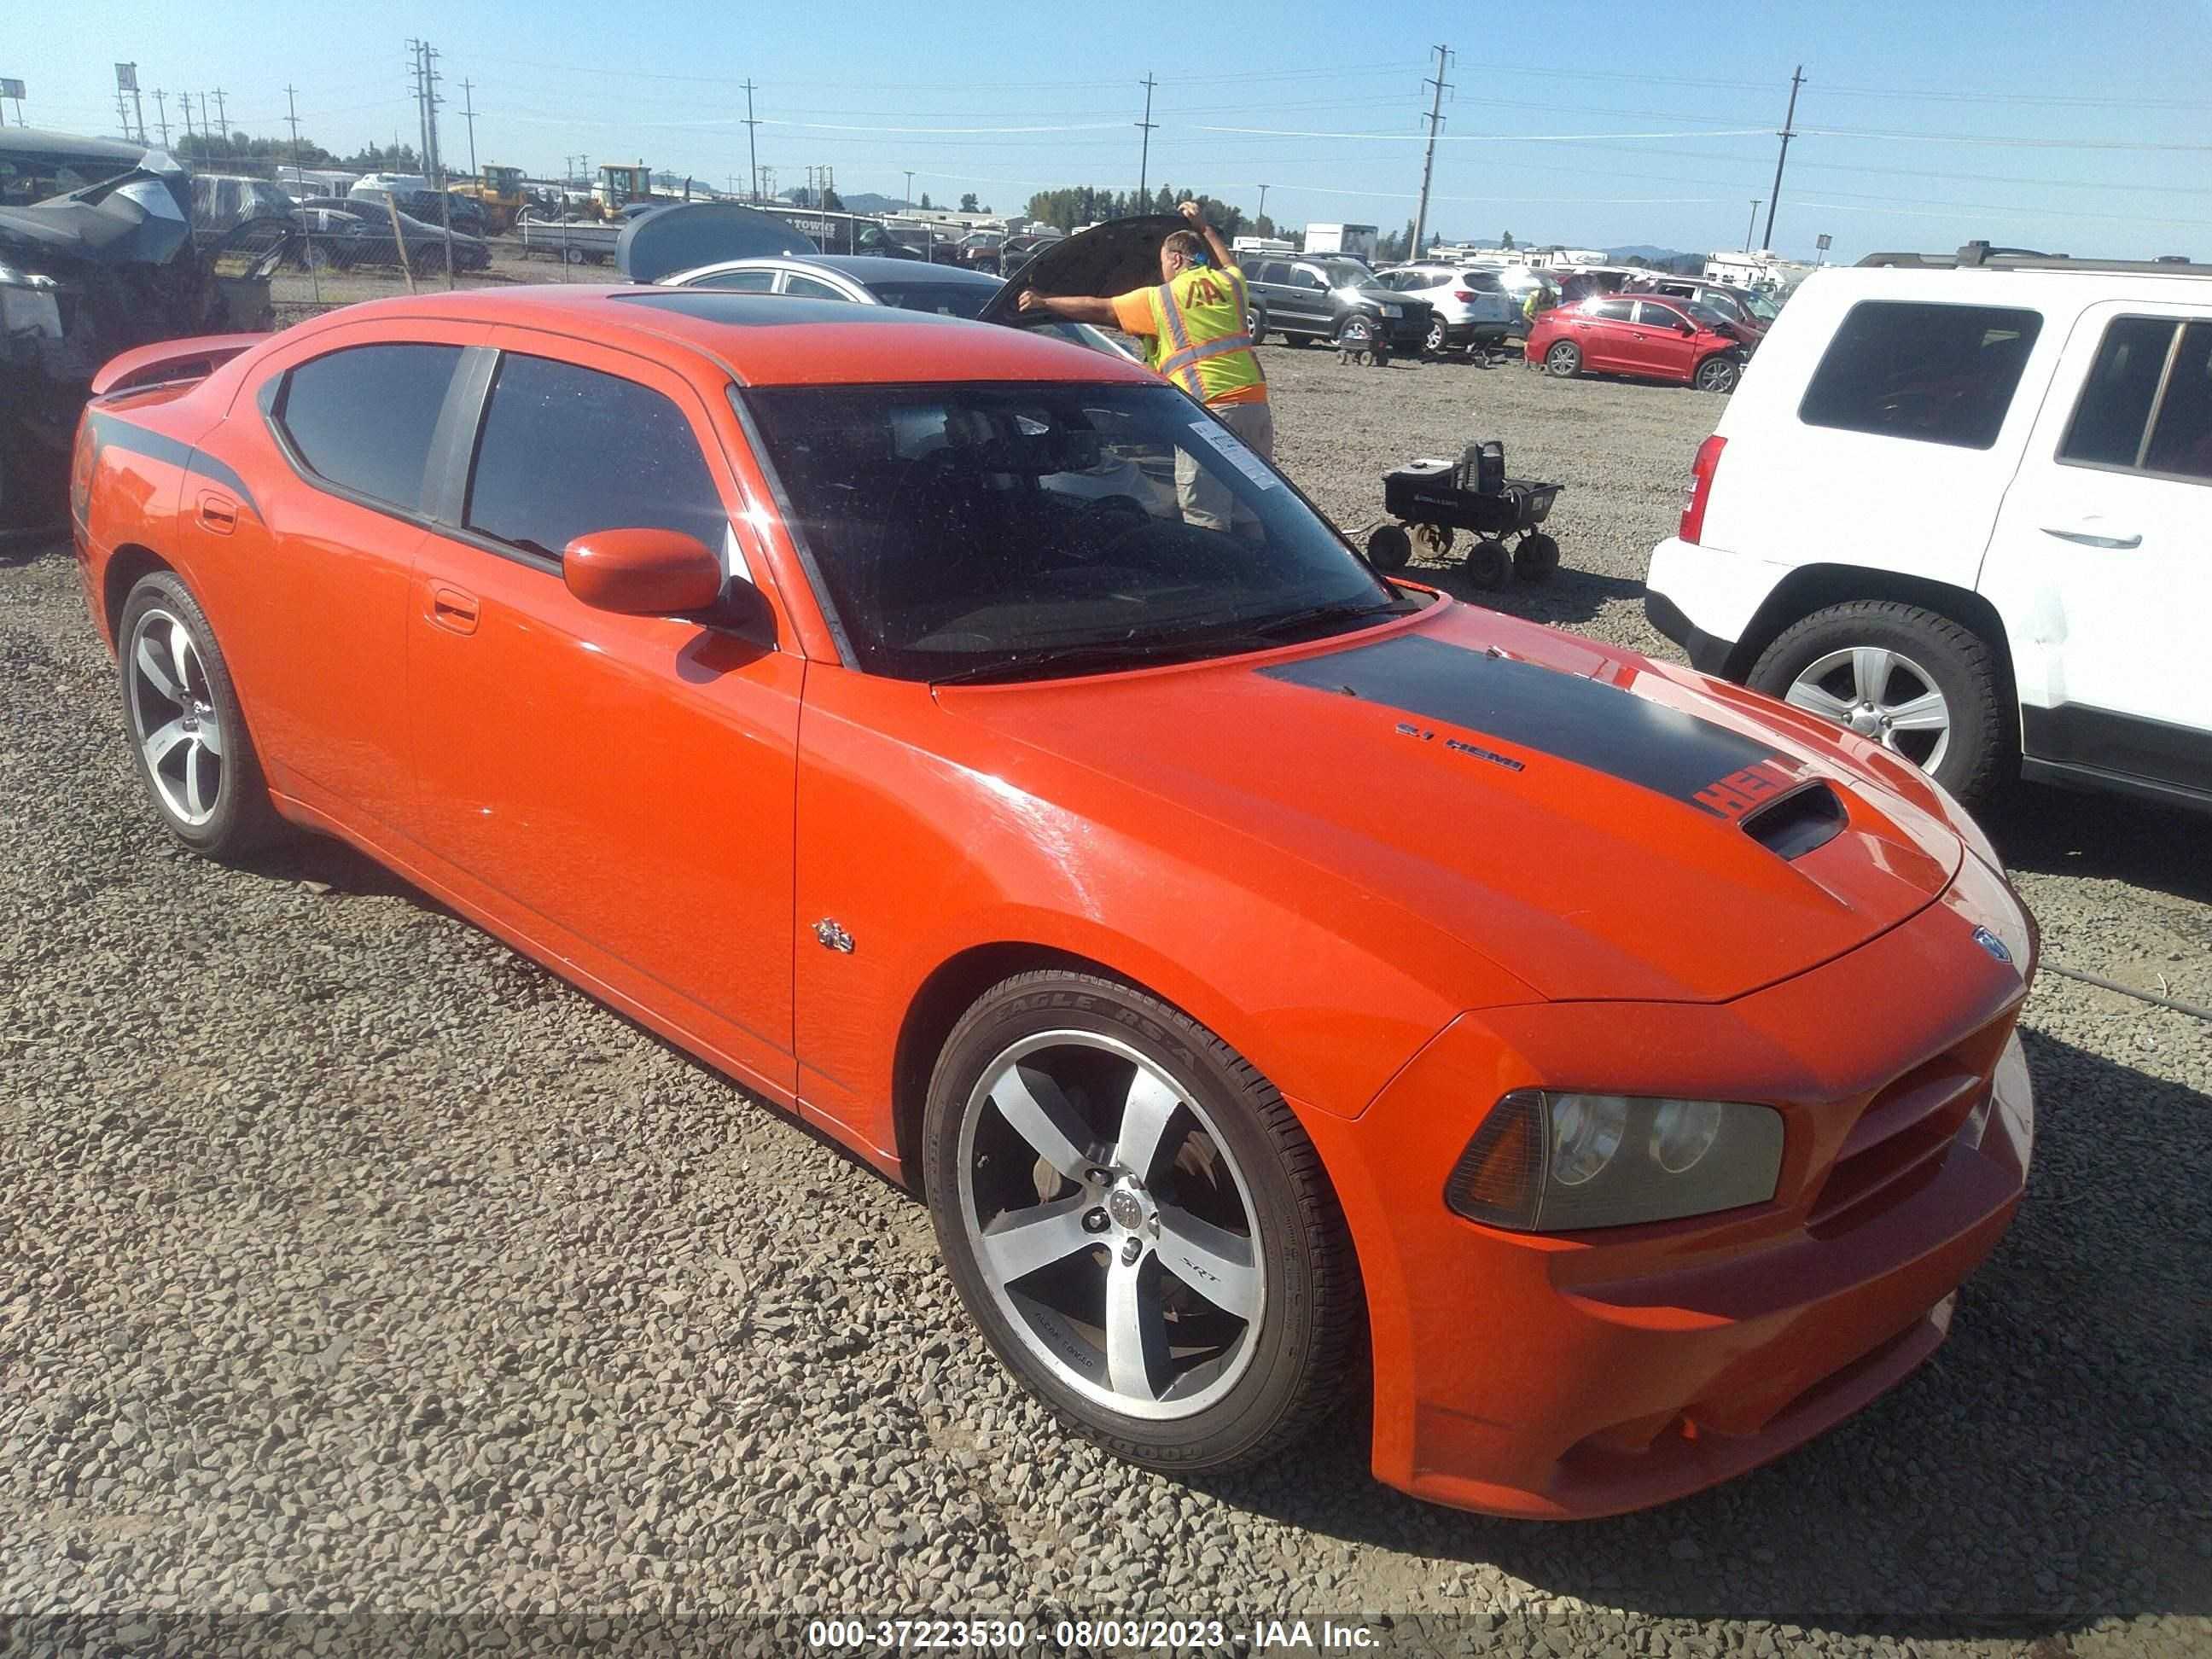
<point x="968" y="203"/>
<point x="831" y="202"/>
<point x="1505" y="242"/>
<point x="925" y="198"/>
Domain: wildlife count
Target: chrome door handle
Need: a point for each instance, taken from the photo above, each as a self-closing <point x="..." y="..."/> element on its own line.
<point x="2086" y="539"/>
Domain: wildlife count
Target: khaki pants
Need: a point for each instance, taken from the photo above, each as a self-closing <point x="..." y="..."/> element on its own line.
<point x="1207" y="502"/>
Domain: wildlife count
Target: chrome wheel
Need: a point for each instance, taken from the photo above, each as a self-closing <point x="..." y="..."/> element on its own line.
<point x="1717" y="375"/>
<point x="173" y="716"/>
<point x="1564" y="360"/>
<point x="1437" y="338"/>
<point x="1111" y="1225"/>
<point x="1879" y="694"/>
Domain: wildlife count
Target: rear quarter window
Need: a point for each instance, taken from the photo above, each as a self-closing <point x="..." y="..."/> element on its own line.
<point x="1932" y="373"/>
<point x="362" y="417"/>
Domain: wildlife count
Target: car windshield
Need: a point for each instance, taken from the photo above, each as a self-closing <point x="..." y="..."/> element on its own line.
<point x="1000" y="531"/>
<point x="946" y="299"/>
<point x="1347" y="273"/>
<point x="1760" y="306"/>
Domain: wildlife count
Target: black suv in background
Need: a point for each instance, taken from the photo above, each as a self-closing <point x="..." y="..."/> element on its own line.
<point x="1306" y="300"/>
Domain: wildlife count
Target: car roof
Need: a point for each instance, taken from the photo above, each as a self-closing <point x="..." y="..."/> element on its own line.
<point x="863" y="268"/>
<point x="760" y="339"/>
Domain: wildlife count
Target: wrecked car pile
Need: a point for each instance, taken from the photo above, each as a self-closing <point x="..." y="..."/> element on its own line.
<point x="96" y="270"/>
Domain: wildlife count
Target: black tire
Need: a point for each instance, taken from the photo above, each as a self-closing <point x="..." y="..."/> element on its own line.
<point x="1536" y="559"/>
<point x="1562" y="360"/>
<point x="1981" y="755"/>
<point x="1388" y="547"/>
<point x="1718" y="373"/>
<point x="1306" y="1342"/>
<point x="1256" y="325"/>
<point x="242" y="818"/>
<point x="1489" y="566"/>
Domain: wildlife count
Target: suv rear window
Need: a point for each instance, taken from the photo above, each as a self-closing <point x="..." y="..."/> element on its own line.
<point x="362" y="417"/>
<point x="1935" y="373"/>
<point x="2148" y="403"/>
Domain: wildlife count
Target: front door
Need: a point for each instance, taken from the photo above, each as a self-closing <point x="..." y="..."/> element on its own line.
<point x="1660" y="342"/>
<point x="2101" y="564"/>
<point x="620" y="789"/>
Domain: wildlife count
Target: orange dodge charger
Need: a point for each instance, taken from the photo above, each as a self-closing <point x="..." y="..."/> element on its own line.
<point x="1277" y="978"/>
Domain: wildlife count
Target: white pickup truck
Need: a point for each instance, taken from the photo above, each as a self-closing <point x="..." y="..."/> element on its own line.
<point x="1963" y="504"/>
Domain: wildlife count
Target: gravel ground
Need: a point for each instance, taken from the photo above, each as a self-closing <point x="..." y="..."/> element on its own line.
<point x="351" y="1262"/>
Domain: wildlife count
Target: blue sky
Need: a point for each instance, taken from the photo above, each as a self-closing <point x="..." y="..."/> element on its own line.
<point x="2071" y="127"/>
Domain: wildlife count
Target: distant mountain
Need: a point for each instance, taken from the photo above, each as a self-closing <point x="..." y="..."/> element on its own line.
<point x="860" y="201"/>
<point x="1649" y="255"/>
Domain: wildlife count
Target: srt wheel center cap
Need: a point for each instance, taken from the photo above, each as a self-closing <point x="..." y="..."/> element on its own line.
<point x="1126" y="1207"/>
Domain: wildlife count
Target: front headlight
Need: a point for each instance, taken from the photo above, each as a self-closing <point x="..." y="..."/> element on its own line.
<point x="1543" y="1161"/>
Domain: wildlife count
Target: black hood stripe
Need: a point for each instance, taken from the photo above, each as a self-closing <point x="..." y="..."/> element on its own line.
<point x="1566" y="717"/>
<point x="108" y="428"/>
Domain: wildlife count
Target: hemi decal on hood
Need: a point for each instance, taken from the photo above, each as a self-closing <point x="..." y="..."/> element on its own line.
<point x="1556" y="713"/>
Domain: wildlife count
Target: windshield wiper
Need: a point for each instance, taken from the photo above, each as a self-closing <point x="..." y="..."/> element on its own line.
<point x="1321" y="615"/>
<point x="1093" y="652"/>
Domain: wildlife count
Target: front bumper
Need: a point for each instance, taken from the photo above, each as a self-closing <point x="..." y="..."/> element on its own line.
<point x="1564" y="1377"/>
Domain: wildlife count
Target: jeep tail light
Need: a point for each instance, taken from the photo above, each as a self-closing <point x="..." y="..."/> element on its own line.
<point x="1700" y="492"/>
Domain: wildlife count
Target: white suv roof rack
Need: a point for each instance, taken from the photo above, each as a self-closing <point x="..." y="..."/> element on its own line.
<point x="1983" y="257"/>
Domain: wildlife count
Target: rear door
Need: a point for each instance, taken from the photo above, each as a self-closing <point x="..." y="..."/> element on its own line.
<point x="337" y="434"/>
<point x="2101" y="564"/>
<point x="1600" y="328"/>
<point x="617" y="788"/>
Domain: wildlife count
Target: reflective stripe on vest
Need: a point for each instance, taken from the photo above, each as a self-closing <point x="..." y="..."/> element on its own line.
<point x="1180" y="362"/>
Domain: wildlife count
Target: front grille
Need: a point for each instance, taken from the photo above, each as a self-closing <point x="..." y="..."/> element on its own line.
<point x="1906" y="1131"/>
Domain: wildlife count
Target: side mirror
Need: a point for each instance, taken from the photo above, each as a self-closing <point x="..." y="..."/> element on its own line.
<point x="641" y="573"/>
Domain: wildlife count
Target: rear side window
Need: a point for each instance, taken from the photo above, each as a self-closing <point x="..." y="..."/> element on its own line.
<point x="1935" y="373"/>
<point x="362" y="417"/>
<point x="1610" y="310"/>
<point x="741" y="282"/>
<point x="2148" y="403"/>
<point x="567" y="451"/>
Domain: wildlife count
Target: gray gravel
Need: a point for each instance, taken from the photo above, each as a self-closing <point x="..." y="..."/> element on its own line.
<point x="351" y="1262"/>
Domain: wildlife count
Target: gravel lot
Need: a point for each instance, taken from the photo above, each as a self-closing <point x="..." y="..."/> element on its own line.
<point x="350" y="1261"/>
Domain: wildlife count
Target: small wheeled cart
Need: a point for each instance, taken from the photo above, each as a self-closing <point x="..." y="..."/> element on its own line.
<point x="1430" y="501"/>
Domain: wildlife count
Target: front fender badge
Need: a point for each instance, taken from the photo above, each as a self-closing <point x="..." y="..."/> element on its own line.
<point x="1989" y="942"/>
<point x="833" y="937"/>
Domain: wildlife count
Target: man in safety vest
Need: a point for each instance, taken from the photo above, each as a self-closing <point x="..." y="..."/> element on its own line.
<point x="1195" y="321"/>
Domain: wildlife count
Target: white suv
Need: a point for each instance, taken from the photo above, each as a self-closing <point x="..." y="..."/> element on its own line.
<point x="1964" y="505"/>
<point x="1472" y="307"/>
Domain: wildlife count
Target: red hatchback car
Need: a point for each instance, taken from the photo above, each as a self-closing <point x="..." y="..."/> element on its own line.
<point x="1636" y="335"/>
<point x="859" y="699"/>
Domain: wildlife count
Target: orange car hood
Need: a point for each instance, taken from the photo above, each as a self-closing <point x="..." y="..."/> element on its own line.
<point x="1567" y="812"/>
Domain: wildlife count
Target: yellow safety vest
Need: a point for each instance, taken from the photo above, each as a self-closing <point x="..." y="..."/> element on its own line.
<point x="1199" y="340"/>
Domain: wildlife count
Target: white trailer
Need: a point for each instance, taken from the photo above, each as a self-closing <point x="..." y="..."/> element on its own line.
<point x="1356" y="241"/>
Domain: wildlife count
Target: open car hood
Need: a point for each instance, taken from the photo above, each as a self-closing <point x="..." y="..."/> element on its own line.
<point x="1108" y="259"/>
<point x="139" y="217"/>
<point x="685" y="237"/>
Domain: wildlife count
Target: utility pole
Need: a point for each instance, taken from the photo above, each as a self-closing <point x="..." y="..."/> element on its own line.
<point x="1753" y="223"/>
<point x="185" y="99"/>
<point x="1263" y="204"/>
<point x="162" y="104"/>
<point x="469" y="94"/>
<point x="909" y="188"/>
<point x="1429" y="161"/>
<point x="292" y="116"/>
<point x="1144" y="155"/>
<point x="752" y="136"/>
<point x="221" y="113"/>
<point x="121" y="113"/>
<point x="1789" y="126"/>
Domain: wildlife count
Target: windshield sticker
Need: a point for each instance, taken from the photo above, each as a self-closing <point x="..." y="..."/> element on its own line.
<point x="1233" y="451"/>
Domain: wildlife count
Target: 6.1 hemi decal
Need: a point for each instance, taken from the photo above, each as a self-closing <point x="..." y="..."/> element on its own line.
<point x="1561" y="715"/>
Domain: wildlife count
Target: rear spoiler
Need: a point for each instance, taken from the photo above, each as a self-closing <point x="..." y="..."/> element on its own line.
<point x="170" y="361"/>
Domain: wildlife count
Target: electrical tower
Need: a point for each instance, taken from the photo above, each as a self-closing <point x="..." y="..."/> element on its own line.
<point x="1429" y="160"/>
<point x="1789" y="126"/>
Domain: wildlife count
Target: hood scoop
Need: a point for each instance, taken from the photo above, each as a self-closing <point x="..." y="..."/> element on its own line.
<point x="1794" y="825"/>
